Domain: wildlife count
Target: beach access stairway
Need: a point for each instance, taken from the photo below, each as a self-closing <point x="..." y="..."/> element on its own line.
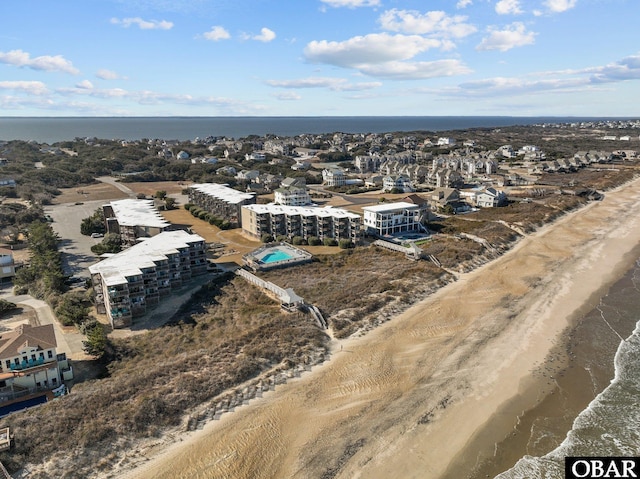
<point x="289" y="300"/>
<point x="287" y="297"/>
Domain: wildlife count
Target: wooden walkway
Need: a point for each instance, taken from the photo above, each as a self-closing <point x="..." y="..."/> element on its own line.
<point x="4" y="474"/>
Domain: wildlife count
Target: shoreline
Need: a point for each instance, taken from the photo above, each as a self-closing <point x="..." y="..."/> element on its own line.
<point x="370" y="411"/>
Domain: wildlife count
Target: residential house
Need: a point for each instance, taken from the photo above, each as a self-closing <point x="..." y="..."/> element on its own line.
<point x="397" y="183"/>
<point x="374" y="181"/>
<point x="304" y="221"/>
<point x="491" y="198"/>
<point x="182" y="155"/>
<point x="392" y="218"/>
<point x="29" y="361"/>
<point x="7" y="265"/>
<point x="126" y="283"/>
<point x="226" y="171"/>
<point x="334" y="177"/>
<point x="441" y="197"/>
<point x="221" y="201"/>
<point x="292" y="196"/>
<point x="247" y="175"/>
<point x="444" y="141"/>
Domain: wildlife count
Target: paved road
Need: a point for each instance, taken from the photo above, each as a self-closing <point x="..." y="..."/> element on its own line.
<point x="68" y="342"/>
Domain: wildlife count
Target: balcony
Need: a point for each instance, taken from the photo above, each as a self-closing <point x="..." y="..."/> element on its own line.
<point x="31" y="363"/>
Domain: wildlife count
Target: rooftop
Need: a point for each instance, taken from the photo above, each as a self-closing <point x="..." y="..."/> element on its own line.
<point x="25" y="335"/>
<point x="384" y="207"/>
<point x="324" y="211"/>
<point x="222" y="192"/>
<point x="130" y="212"/>
<point x="115" y="269"/>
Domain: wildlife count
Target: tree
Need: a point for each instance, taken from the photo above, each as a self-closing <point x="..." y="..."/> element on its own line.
<point x="266" y="238"/>
<point x="111" y="243"/>
<point x="6" y="306"/>
<point x="330" y="242"/>
<point x="93" y="224"/>
<point x="72" y="309"/>
<point x="161" y="194"/>
<point x="170" y="203"/>
<point x="96" y="342"/>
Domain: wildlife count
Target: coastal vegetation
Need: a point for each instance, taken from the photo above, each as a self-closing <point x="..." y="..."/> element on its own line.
<point x="230" y="332"/>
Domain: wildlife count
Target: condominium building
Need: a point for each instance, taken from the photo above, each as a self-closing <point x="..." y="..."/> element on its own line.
<point x="392" y="218"/>
<point x="306" y="222"/>
<point x="221" y="201"/>
<point x="134" y="219"/>
<point x="126" y="283"/>
<point x="292" y="196"/>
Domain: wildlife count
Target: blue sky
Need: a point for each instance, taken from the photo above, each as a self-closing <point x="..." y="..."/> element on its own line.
<point x="319" y="57"/>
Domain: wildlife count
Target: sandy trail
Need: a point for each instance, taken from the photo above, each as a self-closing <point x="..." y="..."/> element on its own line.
<point x="405" y="400"/>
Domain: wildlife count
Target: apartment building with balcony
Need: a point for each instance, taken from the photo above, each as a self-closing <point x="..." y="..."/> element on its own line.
<point x="127" y="283"/>
<point x="221" y="201"/>
<point x="388" y="219"/>
<point x="133" y="220"/>
<point x="304" y="221"/>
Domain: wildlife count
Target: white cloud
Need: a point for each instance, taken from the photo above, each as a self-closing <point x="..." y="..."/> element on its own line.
<point x="265" y="36"/>
<point x="30" y="87"/>
<point x="369" y="49"/>
<point x="85" y="84"/>
<point x="351" y="3"/>
<point x="464" y="3"/>
<point x="47" y="63"/>
<point x="105" y="74"/>
<point x="143" y="24"/>
<point x="288" y="96"/>
<point x="514" y="35"/>
<point x="508" y="7"/>
<point x="626" y="69"/>
<point x="436" y="23"/>
<point x="335" y="84"/>
<point x="559" y="6"/>
<point x="217" y="33"/>
<point x="416" y="70"/>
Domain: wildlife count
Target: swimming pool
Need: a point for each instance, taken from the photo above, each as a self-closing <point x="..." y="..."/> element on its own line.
<point x="275" y="256"/>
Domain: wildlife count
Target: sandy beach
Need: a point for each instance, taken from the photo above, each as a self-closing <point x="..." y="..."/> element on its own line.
<point x="429" y="393"/>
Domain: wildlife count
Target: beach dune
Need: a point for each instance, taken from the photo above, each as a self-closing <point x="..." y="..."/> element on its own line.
<point x="427" y="394"/>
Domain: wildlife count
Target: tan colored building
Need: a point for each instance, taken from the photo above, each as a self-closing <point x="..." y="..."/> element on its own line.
<point x="29" y="361"/>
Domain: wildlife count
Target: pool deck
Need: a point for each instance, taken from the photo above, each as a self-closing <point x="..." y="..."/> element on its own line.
<point x="255" y="259"/>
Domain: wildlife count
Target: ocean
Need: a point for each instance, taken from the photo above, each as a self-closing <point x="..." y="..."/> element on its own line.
<point x="54" y="129"/>
<point x="602" y="365"/>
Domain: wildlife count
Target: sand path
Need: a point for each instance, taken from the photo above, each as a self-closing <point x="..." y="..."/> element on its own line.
<point x="405" y="400"/>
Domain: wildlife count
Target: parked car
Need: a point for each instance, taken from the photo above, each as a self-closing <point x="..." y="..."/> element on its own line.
<point x="97" y="235"/>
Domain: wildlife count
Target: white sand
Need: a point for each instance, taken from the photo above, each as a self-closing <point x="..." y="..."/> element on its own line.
<point x="405" y="400"/>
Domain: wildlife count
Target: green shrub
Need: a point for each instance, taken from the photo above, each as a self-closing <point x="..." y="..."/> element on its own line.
<point x="345" y="244"/>
<point x="330" y="242"/>
<point x="298" y="240"/>
<point x="314" y="241"/>
<point x="266" y="238"/>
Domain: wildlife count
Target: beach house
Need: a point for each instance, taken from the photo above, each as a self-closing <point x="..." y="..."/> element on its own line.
<point x="392" y="218"/>
<point x="29" y="361"/>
